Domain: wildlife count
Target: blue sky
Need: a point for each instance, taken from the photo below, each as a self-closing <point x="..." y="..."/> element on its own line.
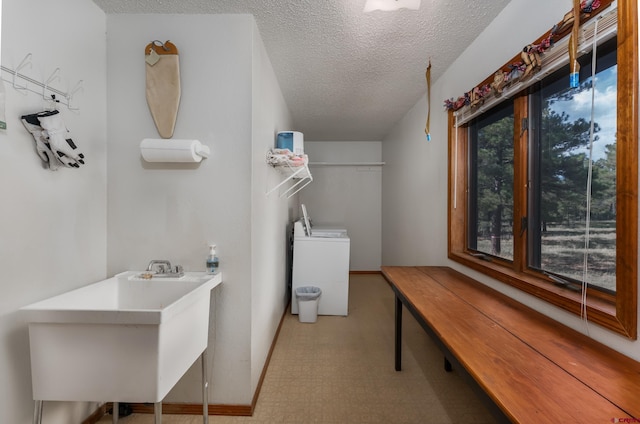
<point x="605" y="108"/>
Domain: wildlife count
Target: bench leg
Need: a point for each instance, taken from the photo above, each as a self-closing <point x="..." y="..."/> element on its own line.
<point x="398" y="334"/>
<point x="447" y="365"/>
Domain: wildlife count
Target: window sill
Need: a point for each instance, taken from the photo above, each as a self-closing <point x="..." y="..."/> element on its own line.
<point x="600" y="310"/>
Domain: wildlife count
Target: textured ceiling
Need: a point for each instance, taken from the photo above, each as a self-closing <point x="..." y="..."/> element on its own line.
<point x="344" y="74"/>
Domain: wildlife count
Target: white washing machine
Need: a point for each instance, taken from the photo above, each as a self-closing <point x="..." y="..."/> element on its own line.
<point x="321" y="259"/>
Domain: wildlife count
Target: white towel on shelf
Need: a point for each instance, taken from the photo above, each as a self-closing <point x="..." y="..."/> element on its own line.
<point x="284" y="157"/>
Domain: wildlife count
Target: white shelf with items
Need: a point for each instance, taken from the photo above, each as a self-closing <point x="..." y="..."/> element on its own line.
<point x="296" y="171"/>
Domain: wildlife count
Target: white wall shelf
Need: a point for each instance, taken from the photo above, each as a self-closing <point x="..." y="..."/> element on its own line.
<point x="299" y="174"/>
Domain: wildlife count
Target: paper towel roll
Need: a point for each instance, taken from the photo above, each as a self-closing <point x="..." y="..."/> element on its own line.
<point x="171" y="150"/>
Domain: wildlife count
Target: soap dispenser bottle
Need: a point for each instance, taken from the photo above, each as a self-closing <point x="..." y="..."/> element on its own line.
<point x="212" y="260"/>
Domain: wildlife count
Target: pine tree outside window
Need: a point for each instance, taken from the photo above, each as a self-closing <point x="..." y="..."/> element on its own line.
<point x="517" y="186"/>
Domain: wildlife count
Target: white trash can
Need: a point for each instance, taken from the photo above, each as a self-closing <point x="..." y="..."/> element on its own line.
<point x="308" y="298"/>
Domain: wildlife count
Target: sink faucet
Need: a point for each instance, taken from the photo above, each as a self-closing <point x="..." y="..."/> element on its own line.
<point x="161" y="265"/>
<point x="164" y="269"/>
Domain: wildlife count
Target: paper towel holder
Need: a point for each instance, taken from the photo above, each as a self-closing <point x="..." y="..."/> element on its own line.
<point x="173" y="150"/>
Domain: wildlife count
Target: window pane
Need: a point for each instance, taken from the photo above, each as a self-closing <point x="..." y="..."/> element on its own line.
<point x="558" y="230"/>
<point x="491" y="185"/>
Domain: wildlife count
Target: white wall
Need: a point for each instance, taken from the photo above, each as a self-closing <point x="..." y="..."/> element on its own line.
<point x="348" y="196"/>
<point x="52" y="224"/>
<point x="415" y="175"/>
<point x="270" y="215"/>
<point x="173" y="211"/>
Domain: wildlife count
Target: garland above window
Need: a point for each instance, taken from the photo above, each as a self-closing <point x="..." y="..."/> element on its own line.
<point x="527" y="63"/>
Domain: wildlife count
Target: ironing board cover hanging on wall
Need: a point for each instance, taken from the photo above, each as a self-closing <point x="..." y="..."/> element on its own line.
<point x="163" y="85"/>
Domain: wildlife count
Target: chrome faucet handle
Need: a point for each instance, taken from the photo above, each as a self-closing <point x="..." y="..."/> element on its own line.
<point x="161" y="265"/>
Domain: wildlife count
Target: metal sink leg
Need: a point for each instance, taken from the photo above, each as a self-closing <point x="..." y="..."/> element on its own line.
<point x="205" y="388"/>
<point x="157" y="412"/>
<point x="37" y="412"/>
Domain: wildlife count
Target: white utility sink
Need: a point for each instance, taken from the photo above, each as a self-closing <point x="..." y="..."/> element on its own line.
<point x="124" y="339"/>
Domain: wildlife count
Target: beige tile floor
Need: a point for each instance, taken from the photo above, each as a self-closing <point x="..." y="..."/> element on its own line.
<point x="341" y="370"/>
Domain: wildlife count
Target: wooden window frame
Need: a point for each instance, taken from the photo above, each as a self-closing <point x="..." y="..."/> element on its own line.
<point x="617" y="312"/>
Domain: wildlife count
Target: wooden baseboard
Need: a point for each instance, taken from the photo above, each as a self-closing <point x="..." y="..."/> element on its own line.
<point x="268" y="360"/>
<point x="365" y="272"/>
<point x="196" y="408"/>
<point x="171" y="408"/>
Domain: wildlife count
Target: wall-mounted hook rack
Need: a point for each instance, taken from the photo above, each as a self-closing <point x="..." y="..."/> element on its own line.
<point x="54" y="76"/>
<point x="26" y="61"/>
<point x="72" y="92"/>
<point x="47" y="91"/>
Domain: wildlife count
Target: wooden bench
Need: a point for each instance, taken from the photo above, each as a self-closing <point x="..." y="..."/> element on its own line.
<point x="528" y="367"/>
